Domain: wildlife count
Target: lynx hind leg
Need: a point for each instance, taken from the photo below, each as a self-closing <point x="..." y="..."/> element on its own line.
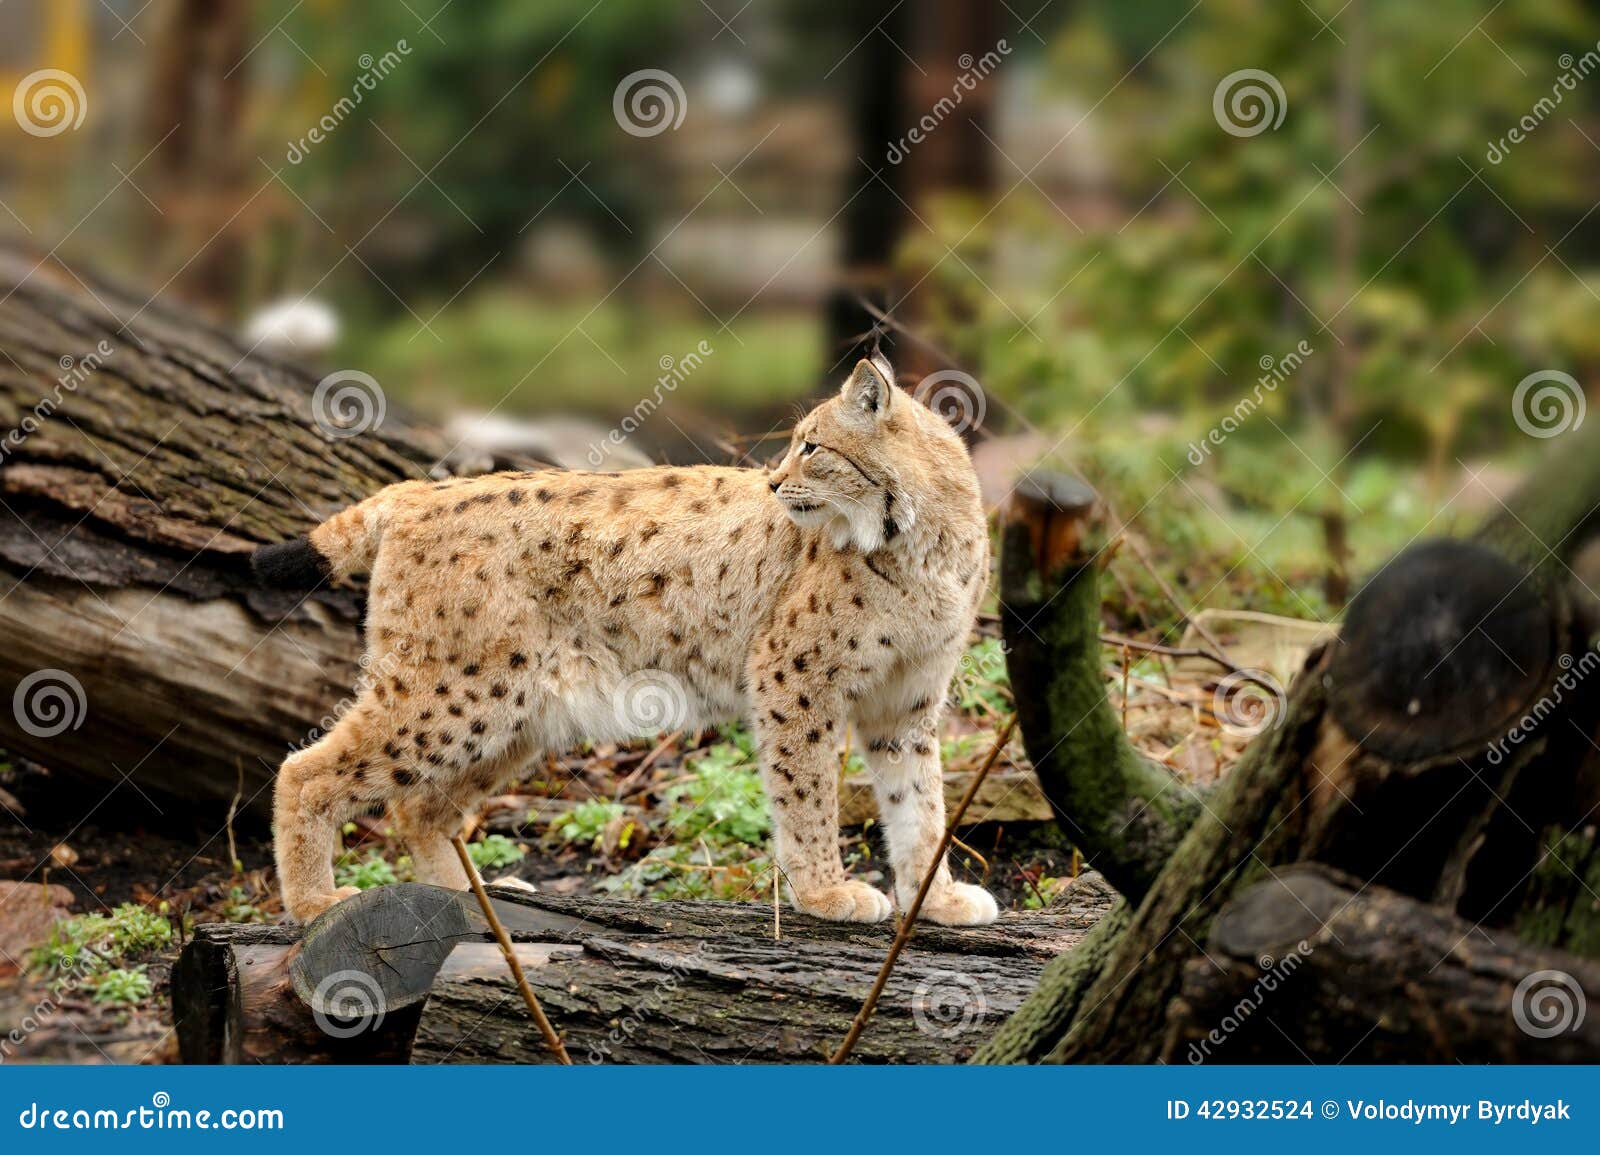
<point x="317" y="791"/>
<point x="428" y="818"/>
<point x="432" y="811"/>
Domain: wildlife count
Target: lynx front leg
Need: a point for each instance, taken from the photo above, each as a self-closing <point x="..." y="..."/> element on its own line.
<point x="800" y="768"/>
<point x="903" y="757"/>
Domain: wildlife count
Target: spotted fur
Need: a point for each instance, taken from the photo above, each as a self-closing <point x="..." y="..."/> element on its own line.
<point x="513" y="615"/>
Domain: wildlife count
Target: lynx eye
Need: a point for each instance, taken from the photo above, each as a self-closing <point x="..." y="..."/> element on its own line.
<point x="807" y="448"/>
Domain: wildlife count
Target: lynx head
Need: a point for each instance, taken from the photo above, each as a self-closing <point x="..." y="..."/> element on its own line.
<point x="870" y="461"/>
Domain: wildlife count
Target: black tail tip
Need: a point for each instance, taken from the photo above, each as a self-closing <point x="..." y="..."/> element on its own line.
<point x="292" y="565"/>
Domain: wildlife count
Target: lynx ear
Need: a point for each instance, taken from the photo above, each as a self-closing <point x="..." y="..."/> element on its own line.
<point x="868" y="391"/>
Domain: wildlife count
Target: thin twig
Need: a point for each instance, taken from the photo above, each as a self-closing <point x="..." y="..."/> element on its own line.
<point x="982" y="861"/>
<point x="551" y="1039"/>
<point x="1178" y="652"/>
<point x="233" y="809"/>
<point x="1124" y="687"/>
<point x="638" y="773"/>
<point x="909" y="921"/>
<point x="1172" y="594"/>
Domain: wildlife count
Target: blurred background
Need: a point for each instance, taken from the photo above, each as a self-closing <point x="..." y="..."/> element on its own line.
<point x="1274" y="276"/>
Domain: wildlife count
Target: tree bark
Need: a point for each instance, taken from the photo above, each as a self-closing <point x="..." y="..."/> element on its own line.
<point x="1418" y="752"/>
<point x="623" y="982"/>
<point x="1304" y="966"/>
<point x="143" y="455"/>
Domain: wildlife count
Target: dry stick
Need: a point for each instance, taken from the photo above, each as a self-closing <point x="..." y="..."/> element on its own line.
<point x="638" y="773"/>
<point x="909" y="921"/>
<point x="777" y="919"/>
<point x="551" y="1039"/>
<point x="233" y="809"/>
<point x="1124" y="687"/>
<point x="1172" y="596"/>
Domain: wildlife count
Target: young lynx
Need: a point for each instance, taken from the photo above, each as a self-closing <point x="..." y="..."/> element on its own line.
<point x="518" y="614"/>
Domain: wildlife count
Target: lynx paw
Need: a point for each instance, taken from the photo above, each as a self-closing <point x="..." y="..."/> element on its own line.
<point x="846" y="902"/>
<point x="306" y="909"/>
<point x="960" y="904"/>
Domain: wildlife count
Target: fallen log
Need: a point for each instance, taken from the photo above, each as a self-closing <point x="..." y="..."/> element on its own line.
<point x="408" y="973"/>
<point x="143" y="455"/>
<point x="1306" y="963"/>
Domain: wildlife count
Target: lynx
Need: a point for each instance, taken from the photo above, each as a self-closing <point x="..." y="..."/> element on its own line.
<point x="517" y="614"/>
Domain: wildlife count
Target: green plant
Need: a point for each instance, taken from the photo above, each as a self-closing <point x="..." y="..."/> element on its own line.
<point x="121" y="987"/>
<point x="494" y="852"/>
<point x="238" y="907"/>
<point x="686" y="871"/>
<point x="1043" y="891"/>
<point x="981" y="684"/>
<point x="364" y="873"/>
<point x="96" y="940"/>
<point x="722" y="800"/>
<point x="588" y="821"/>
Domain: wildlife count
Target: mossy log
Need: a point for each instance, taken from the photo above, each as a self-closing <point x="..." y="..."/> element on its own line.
<point x="143" y="455"/>
<point x="1422" y="751"/>
<point x="1306" y="963"/>
<point x="409" y="973"/>
<point x="1125" y="813"/>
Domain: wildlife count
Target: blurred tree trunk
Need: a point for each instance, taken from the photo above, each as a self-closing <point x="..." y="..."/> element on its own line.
<point x="954" y="160"/>
<point x="874" y="216"/>
<point x="195" y="125"/>
<point x="1349" y="117"/>
<point x="910" y="63"/>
